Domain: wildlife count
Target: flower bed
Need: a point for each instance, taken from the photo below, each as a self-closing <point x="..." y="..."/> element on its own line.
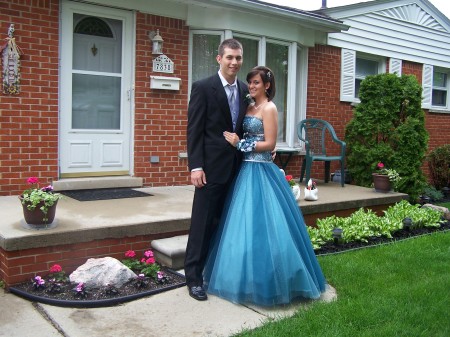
<point x="68" y="296"/>
<point x="56" y="288"/>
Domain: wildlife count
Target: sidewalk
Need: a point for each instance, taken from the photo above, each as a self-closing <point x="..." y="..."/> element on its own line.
<point x="168" y="314"/>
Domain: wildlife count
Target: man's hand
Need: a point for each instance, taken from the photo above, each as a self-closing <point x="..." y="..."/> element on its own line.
<point x="198" y="178"/>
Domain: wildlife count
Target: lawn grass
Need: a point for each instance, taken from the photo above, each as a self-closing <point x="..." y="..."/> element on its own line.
<point x="400" y="289"/>
<point x="444" y="204"/>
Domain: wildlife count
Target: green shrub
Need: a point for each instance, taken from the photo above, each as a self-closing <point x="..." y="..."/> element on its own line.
<point x="388" y="126"/>
<point x="432" y="193"/>
<point x="439" y="164"/>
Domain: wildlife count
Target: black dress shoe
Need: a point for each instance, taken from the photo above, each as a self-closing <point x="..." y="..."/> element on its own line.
<point x="198" y="293"/>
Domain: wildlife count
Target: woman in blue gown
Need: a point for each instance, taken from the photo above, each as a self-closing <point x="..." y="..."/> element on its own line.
<point x="261" y="253"/>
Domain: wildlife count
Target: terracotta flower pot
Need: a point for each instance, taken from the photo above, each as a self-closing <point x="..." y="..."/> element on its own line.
<point x="381" y="183"/>
<point x="36" y="216"/>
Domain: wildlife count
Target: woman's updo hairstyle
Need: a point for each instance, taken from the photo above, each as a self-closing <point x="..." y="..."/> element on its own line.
<point x="267" y="77"/>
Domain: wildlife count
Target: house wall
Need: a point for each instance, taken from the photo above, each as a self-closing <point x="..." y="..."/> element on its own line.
<point x="29" y="120"/>
<point x="323" y="102"/>
<point x="161" y="115"/>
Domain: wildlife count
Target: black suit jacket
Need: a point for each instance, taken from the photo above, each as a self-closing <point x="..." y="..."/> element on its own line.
<point x="208" y="117"/>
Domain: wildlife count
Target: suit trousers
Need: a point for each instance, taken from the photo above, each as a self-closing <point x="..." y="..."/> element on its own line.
<point x="206" y="212"/>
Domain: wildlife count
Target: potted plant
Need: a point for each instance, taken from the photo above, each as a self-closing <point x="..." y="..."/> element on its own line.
<point x="39" y="204"/>
<point x="383" y="178"/>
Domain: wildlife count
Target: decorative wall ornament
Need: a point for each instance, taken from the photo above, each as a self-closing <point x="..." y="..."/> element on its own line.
<point x="94" y="50"/>
<point x="11" y="64"/>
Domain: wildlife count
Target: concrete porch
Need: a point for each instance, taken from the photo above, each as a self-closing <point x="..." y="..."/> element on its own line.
<point x="111" y="227"/>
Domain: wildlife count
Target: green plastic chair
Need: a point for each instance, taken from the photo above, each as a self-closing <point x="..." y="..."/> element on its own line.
<point x="312" y="132"/>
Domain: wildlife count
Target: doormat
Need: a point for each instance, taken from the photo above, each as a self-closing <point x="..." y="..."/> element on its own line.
<point x="105" y="194"/>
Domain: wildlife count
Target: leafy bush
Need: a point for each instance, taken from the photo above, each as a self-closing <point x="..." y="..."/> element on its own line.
<point x="432" y="193"/>
<point x="388" y="126"/>
<point x="363" y="224"/>
<point x="439" y="164"/>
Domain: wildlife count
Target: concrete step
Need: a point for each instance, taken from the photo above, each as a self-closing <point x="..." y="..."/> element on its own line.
<point x="170" y="252"/>
<point x="90" y="183"/>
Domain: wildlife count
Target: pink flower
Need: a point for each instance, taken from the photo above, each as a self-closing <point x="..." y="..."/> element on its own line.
<point x="380" y="165"/>
<point x="289" y="177"/>
<point x="130" y="253"/>
<point x="160" y="275"/>
<point x="148" y="253"/>
<point x="143" y="260"/>
<point x="32" y="181"/>
<point x="150" y="260"/>
<point x="55" y="269"/>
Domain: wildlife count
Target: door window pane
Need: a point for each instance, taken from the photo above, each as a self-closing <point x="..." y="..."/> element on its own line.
<point x="97" y="44"/>
<point x="95" y="102"/>
<point x="277" y="60"/>
<point x="204" y="52"/>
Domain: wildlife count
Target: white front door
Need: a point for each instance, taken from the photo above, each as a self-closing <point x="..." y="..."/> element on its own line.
<point x="96" y="91"/>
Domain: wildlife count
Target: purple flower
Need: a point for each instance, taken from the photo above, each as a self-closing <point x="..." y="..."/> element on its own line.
<point x="80" y="287"/>
<point x="48" y="188"/>
<point x="39" y="281"/>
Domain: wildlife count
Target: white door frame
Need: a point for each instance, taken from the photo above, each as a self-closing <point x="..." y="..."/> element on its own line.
<point x="69" y="169"/>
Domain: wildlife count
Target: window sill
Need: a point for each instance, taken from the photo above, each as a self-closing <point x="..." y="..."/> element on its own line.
<point x="439" y="111"/>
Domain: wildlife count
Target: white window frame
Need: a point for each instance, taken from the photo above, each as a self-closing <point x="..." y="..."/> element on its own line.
<point x="427" y="85"/>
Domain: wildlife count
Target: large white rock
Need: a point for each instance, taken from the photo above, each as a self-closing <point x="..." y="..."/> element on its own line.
<point x="444" y="210"/>
<point x="100" y="272"/>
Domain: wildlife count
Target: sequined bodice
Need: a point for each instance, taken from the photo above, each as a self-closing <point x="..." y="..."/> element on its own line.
<point x="254" y="130"/>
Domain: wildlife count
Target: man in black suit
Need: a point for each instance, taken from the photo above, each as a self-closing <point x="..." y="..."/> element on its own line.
<point x="216" y="105"/>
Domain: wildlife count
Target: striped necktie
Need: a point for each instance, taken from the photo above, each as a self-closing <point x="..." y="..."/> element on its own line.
<point x="232" y="104"/>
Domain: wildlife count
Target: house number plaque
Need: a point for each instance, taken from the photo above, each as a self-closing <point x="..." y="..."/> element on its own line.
<point x="163" y="64"/>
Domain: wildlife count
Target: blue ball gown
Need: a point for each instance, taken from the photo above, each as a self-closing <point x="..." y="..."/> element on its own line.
<point x="261" y="253"/>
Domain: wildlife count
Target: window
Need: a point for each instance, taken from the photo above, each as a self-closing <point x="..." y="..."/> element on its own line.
<point x="251" y="55"/>
<point x="439" y="94"/>
<point x="436" y="88"/>
<point x="204" y="52"/>
<point x="354" y="69"/>
<point x="364" y="68"/>
<point x="277" y="55"/>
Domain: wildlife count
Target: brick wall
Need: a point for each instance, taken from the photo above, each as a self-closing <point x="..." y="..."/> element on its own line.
<point x="29" y="120"/>
<point x="22" y="265"/>
<point x="323" y="102"/>
<point x="161" y="115"/>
